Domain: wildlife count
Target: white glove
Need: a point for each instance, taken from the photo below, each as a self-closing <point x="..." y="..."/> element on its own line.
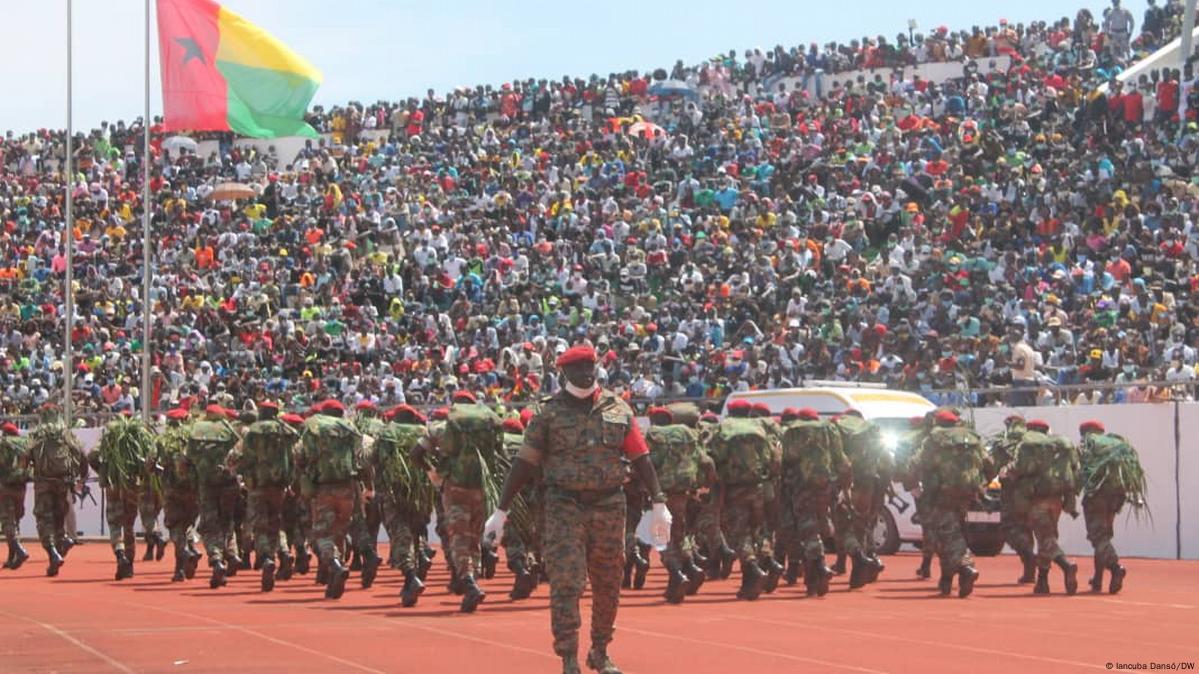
<point x="493" y="530"/>
<point x="660" y="525"/>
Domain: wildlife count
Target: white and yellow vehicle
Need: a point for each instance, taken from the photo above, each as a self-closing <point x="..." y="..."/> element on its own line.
<point x="890" y="410"/>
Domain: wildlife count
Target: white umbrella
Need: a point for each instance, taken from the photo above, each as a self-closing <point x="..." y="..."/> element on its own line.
<point x="176" y="143"/>
<point x="646" y="130"/>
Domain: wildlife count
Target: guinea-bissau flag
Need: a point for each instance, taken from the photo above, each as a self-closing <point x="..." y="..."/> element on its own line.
<point x="223" y="73"/>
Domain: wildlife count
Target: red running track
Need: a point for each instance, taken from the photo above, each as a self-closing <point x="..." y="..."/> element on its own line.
<point x="83" y="621"/>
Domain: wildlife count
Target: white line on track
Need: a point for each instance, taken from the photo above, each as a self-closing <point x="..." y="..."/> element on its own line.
<point x="76" y="642"/>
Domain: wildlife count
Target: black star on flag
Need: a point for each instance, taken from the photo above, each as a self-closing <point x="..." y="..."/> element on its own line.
<point x="191" y="50"/>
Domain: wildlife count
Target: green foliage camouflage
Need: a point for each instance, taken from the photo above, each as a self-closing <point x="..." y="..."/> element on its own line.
<point x="125" y="444"/>
<point x="1110" y="465"/>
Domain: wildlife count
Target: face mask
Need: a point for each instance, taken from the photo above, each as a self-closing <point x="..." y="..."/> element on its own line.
<point x="581" y="392"/>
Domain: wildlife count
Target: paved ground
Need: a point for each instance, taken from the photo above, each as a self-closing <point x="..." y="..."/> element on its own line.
<point x="82" y="621"/>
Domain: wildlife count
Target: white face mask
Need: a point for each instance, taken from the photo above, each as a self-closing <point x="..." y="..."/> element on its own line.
<point x="581" y="392"/>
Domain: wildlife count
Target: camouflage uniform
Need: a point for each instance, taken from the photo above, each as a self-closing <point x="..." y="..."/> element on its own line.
<point x="743" y="452"/>
<point x="266" y="462"/>
<point x="181" y="495"/>
<point x="682" y="468"/>
<point x="953" y="467"/>
<point x="905" y="455"/>
<point x="473" y="432"/>
<point x="813" y="463"/>
<point x="1105" y="491"/>
<point x="58" y="462"/>
<point x="15" y="473"/>
<point x="120" y="505"/>
<point x="1013" y="512"/>
<point x="707" y="522"/>
<point x="209" y="443"/>
<point x="1047" y="469"/>
<point x="517" y="549"/>
<point x="149" y="506"/>
<point x="579" y="445"/>
<point x="873" y="469"/>
<point x="332" y="465"/>
<point x="393" y="444"/>
<point x="771" y="491"/>
<point x="364" y="527"/>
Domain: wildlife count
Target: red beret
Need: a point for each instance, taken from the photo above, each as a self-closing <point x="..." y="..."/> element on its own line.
<point x="1091" y="425"/>
<point x="740" y="404"/>
<point x="526" y="415"/>
<point x="231" y="414"/>
<point x="177" y="414"/>
<point x="513" y="425"/>
<point x="126" y="412"/>
<point x="10" y="428"/>
<point x="761" y="407"/>
<point x="215" y="409"/>
<point x="441" y="413"/>
<point x="366" y="405"/>
<point x="405" y="409"/>
<point x="709" y="416"/>
<point x="807" y="414"/>
<point x="268" y="405"/>
<point x="293" y="419"/>
<point x="576" y="354"/>
<point x="1013" y="418"/>
<point x="790" y="413"/>
<point x="1038" y="425"/>
<point x="659" y="412"/>
<point x="331" y="405"/>
<point x="464" y="397"/>
<point x="946" y="417"/>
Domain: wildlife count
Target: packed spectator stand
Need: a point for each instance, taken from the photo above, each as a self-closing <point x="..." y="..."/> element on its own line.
<point x="748" y="222"/>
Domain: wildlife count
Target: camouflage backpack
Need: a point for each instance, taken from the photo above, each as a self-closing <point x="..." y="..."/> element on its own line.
<point x="674" y="451"/>
<point x="271" y="442"/>
<point x="55" y="452"/>
<point x="332" y="446"/>
<point x="952" y="464"/>
<point x="863" y="443"/>
<point x="473" y="436"/>
<point x="178" y="474"/>
<point x="742" y="451"/>
<point x="1050" y="462"/>
<point x="15" y="468"/>
<point x="1110" y="465"/>
<point x="208" y="447"/>
<point x="812" y="452"/>
<point x="393" y="446"/>
<point x="686" y="414"/>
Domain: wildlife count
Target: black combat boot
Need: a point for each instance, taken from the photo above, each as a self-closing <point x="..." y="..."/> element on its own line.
<point x="966" y="577"/>
<point x="472" y="594"/>
<point x="148" y="555"/>
<point x="875" y="569"/>
<point x="259" y="560"/>
<point x="795" y="569"/>
<point x="338" y="575"/>
<point x="55" y="561"/>
<point x="1030" y="568"/>
<point x="455" y="585"/>
<point x="8" y="561"/>
<point x="489" y="561"/>
<point x="1096" y="581"/>
<point x="858" y="572"/>
<point x="303" y="561"/>
<point x="219" y="571"/>
<point x="926" y="567"/>
<point x="838" y="567"/>
<point x="370" y="567"/>
<point x="598" y="660"/>
<point x="1042" y="586"/>
<point x="640" y="566"/>
<point x="816" y="577"/>
<point x="525" y="581"/>
<point x="423" y="563"/>
<point x="268" y="574"/>
<point x="626" y="581"/>
<point x="727" y="557"/>
<point x="161" y="542"/>
<point x="698" y="559"/>
<point x="413" y="587"/>
<point x="1070" y="571"/>
<point x="712" y="568"/>
<point x="192" y="562"/>
<point x="774" y="571"/>
<point x="945" y="585"/>
<point x="232" y="565"/>
<point x="179" y="575"/>
<point x="322" y="573"/>
<point x="68" y="543"/>
<point x="570" y="665"/>
<point x="124" y="565"/>
<point x="1117" y="583"/>
<point x="676" y="582"/>
<point x="16" y="555"/>
<point x="695" y="577"/>
<point x="287" y="566"/>
<point x="355" y="560"/>
<point x="752" y="580"/>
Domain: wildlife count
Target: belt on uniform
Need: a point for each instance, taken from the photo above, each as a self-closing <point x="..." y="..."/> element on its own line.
<point x="586" y="496"/>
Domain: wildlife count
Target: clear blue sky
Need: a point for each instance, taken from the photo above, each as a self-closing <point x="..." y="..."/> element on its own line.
<point x="387" y="49"/>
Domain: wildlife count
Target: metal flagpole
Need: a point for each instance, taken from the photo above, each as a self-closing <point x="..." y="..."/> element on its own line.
<point x="68" y="367"/>
<point x="147" y="205"/>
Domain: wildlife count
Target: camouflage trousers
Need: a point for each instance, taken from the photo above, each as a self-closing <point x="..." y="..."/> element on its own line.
<point x="515" y="544"/>
<point x="771" y="515"/>
<point x="1099" y="512"/>
<point x="928" y="542"/>
<point x="440" y="529"/>
<point x="786" y="539"/>
<point x="12" y="509"/>
<point x="583" y="541"/>
<point x="1043" y="514"/>
<point x="120" y="511"/>
<point x="633" y="499"/>
<point x="364" y="526"/>
<point x="707" y="526"/>
<point x="180" y="508"/>
<point x="218" y="505"/>
<point x="297" y="520"/>
<point x="332" y="510"/>
<point x="946" y="524"/>
<point x="745" y="518"/>
<point x="149" y="505"/>
<point x="397" y="519"/>
<point x="464" y="518"/>
<point x="854" y="520"/>
<point x="264" y="510"/>
<point x="1013" y="522"/>
<point x="812" y="523"/>
<point x="678" y="551"/>
<point x="50" y="506"/>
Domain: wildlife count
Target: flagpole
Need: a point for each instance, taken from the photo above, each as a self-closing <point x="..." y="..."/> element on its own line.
<point x="147" y="205"/>
<point x="69" y="232"/>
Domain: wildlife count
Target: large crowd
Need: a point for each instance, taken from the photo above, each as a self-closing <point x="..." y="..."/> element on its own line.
<point x="749" y="222"/>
